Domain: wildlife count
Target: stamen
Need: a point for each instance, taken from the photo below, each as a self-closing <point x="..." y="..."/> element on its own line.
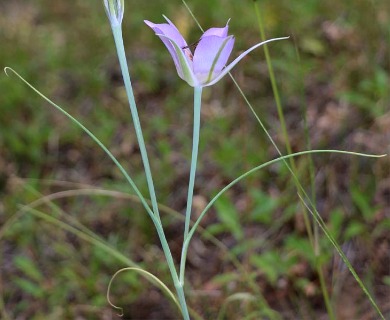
<point x="188" y="50"/>
<point x="188" y="53"/>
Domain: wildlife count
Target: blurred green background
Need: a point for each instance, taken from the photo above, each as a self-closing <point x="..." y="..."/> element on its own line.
<point x="333" y="74"/>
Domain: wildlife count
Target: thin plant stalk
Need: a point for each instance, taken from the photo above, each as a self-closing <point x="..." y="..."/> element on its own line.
<point x="194" y="157"/>
<point x="316" y="235"/>
<point x="195" y="147"/>
<point x="279" y="108"/>
<point x="313" y="236"/>
<point x="115" y="14"/>
<point x="117" y="32"/>
<point x="274" y="85"/>
<point x="308" y="142"/>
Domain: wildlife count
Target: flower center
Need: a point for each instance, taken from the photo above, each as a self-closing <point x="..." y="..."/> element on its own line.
<point x="188" y="50"/>
<point x="188" y="53"/>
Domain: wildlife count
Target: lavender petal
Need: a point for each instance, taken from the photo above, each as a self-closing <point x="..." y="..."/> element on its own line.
<point x="210" y="56"/>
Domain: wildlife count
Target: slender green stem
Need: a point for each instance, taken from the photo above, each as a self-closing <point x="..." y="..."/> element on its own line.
<point x="182" y="300"/>
<point x="273" y="83"/>
<point x="117" y="32"/>
<point x="279" y="108"/>
<point x="324" y="289"/>
<point x="316" y="235"/>
<point x="174" y="275"/>
<point x="194" y="157"/>
<point x="300" y="75"/>
<point x="275" y="90"/>
<point x="313" y="236"/>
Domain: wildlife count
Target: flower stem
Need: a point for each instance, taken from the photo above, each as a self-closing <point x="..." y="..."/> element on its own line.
<point x="195" y="147"/>
<point x="117" y="32"/>
<point x="182" y="300"/>
<point x="274" y="85"/>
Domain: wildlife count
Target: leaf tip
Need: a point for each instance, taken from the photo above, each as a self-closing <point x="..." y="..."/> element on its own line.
<point x="7" y="69"/>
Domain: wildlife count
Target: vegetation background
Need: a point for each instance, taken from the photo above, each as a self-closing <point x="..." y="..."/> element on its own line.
<point x="338" y="82"/>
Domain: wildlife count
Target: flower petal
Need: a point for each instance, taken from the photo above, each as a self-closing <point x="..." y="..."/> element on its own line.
<point x="221" y="32"/>
<point x="238" y="59"/>
<point x="184" y="63"/>
<point x="170" y="32"/>
<point x="210" y="56"/>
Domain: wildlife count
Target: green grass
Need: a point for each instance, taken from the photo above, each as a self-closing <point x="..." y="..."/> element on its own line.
<point x="66" y="49"/>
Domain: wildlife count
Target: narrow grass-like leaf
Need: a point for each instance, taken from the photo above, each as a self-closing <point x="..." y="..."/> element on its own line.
<point x="101" y="145"/>
<point x="147" y="275"/>
<point x="282" y="158"/>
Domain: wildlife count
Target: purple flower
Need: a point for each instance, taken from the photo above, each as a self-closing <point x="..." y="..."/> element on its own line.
<point x="207" y="64"/>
